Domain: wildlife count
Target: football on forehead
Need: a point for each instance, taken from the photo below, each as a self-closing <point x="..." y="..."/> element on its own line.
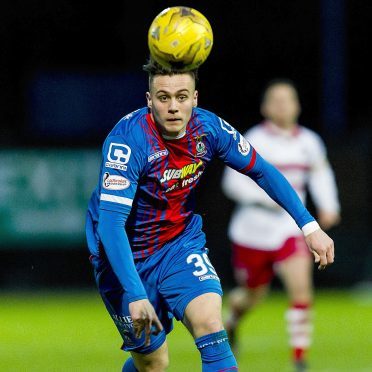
<point x="180" y="38"/>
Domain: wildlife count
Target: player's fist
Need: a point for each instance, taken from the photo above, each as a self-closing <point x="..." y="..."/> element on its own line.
<point x="322" y="247"/>
<point x="144" y="319"/>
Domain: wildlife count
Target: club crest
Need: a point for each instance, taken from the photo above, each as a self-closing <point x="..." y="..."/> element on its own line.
<point x="200" y="145"/>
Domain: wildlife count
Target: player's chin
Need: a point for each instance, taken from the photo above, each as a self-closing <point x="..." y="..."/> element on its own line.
<point x="174" y="126"/>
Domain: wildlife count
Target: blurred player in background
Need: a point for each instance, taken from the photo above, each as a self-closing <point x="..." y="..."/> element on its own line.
<point x="265" y="240"/>
<point x="147" y="245"/>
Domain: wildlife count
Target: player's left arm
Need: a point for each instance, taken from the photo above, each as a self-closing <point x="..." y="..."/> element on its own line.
<point x="124" y="161"/>
<point x="122" y="165"/>
<point x="236" y="152"/>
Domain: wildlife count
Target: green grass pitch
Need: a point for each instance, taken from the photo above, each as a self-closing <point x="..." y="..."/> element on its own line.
<point x="71" y="331"/>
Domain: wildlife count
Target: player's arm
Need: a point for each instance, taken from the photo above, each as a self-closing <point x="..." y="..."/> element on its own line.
<point x="117" y="248"/>
<point x="322" y="186"/>
<point x="236" y="152"/>
<point x="120" y="174"/>
<point x="122" y="167"/>
<point x="119" y="254"/>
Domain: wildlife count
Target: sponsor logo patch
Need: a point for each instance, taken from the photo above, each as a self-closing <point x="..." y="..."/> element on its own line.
<point x="118" y="153"/>
<point x="125" y="326"/>
<point x="114" y="182"/>
<point x="243" y="146"/>
<point x="116" y="166"/>
<point x="179" y="174"/>
<point x="157" y="155"/>
<point x="208" y="276"/>
<point x="124" y="321"/>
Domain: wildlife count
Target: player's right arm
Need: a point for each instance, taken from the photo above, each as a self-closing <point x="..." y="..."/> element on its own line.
<point x="236" y="152"/>
<point x="122" y="166"/>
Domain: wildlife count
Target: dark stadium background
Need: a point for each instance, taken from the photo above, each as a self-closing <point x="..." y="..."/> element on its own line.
<point x="69" y="70"/>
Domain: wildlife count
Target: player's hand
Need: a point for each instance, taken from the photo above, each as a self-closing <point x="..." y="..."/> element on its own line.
<point x="322" y="247"/>
<point x="144" y="319"/>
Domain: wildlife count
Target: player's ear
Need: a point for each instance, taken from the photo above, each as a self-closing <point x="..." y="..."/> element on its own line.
<point x="149" y="101"/>
<point x="195" y="99"/>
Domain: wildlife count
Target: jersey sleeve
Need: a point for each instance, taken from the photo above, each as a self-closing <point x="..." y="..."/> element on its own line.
<point x="235" y="151"/>
<point x="121" y="169"/>
<point x="123" y="163"/>
<point x="231" y="147"/>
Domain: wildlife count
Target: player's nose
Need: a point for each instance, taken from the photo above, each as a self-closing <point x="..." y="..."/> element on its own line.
<point x="173" y="106"/>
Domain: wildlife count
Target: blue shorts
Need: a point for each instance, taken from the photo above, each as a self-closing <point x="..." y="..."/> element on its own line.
<point x="172" y="277"/>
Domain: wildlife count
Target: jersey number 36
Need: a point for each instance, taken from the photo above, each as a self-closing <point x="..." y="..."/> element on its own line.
<point x="202" y="264"/>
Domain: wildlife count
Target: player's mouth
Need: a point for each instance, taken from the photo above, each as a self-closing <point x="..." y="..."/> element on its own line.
<point x="174" y="119"/>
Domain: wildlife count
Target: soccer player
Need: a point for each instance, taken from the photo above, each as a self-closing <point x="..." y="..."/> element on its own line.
<point x="147" y="246"/>
<point x="264" y="237"/>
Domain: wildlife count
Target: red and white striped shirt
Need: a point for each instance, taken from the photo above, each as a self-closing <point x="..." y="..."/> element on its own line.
<point x="300" y="154"/>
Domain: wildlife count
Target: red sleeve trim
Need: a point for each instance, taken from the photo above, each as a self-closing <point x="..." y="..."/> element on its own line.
<point x="251" y="163"/>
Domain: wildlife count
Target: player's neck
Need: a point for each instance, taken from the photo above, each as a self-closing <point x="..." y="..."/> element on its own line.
<point x="174" y="137"/>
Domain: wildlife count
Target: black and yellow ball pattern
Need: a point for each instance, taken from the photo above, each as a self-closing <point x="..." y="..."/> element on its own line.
<point x="180" y="38"/>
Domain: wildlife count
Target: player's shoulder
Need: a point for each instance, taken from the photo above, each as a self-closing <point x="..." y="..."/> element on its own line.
<point x="210" y="121"/>
<point x="130" y="130"/>
<point x="128" y="136"/>
<point x="205" y="116"/>
<point x="131" y="125"/>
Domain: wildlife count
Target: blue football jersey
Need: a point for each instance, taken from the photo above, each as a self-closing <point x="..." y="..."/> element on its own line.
<point x="157" y="177"/>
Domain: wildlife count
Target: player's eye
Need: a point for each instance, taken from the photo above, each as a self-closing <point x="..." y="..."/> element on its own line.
<point x="182" y="98"/>
<point x="163" y="98"/>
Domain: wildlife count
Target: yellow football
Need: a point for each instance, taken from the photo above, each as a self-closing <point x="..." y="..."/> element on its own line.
<point x="180" y="38"/>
